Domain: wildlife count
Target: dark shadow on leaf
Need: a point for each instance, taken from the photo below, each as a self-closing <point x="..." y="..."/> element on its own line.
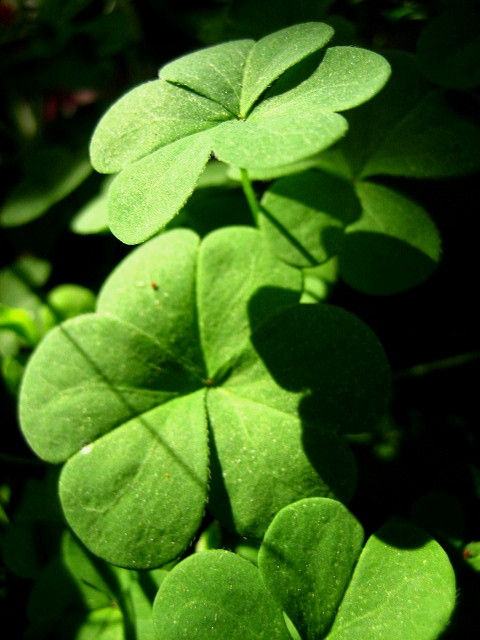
<point x="379" y="264"/>
<point x="291" y="239"/>
<point x="305" y="216"/>
<point x="401" y="534"/>
<point x="322" y="192"/>
<point x="267" y="301"/>
<point x="331" y="358"/>
<point x="295" y="75"/>
<point x="218" y="493"/>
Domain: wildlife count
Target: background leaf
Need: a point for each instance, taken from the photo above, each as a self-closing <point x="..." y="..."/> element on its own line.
<point x="51" y="174"/>
<point x="303" y="216"/>
<point x="448" y="49"/>
<point x="408" y="129"/>
<point x="392" y="247"/>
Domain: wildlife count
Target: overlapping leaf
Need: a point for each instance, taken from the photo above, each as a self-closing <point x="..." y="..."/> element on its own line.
<point x="313" y="566"/>
<point x="165" y="386"/>
<point x="312" y="561"/>
<point x="220" y="100"/>
<point x="385" y="242"/>
<point x="410" y="129"/>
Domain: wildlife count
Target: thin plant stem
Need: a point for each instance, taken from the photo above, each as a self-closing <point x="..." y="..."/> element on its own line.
<point x="250" y="195"/>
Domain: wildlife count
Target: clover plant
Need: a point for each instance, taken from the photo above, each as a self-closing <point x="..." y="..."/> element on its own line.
<point x="214" y="382"/>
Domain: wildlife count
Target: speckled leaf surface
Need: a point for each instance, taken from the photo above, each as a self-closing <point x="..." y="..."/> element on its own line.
<point x="216" y="594"/>
<point x="215" y="100"/>
<point x="165" y="385"/>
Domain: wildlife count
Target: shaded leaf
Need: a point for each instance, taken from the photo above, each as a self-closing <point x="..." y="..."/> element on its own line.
<point x="304" y="216"/>
<point x="334" y="360"/>
<point x="392" y="247"/>
<point x="50" y="175"/>
<point x="265" y="458"/>
<point x="448" y="49"/>
<point x="408" y="129"/>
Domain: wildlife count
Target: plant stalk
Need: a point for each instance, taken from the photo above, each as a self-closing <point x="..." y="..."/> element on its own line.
<point x="250" y="195"/>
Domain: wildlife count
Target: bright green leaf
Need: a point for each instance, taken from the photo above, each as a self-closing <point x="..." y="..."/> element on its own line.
<point x="216" y="594"/>
<point x="161" y="127"/>
<point x="77" y="372"/>
<point x="306" y="561"/>
<point x="403" y="588"/>
<point x="148" y="480"/>
<point x="132" y="397"/>
<point x="345" y="78"/>
<point x="145" y="196"/>
<point x="21" y="323"/>
<point x="216" y="72"/>
<point x="147" y="118"/>
<point x="277" y="52"/>
<point x="273" y="134"/>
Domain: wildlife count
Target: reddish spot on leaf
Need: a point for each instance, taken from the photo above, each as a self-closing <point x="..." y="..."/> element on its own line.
<point x="154" y="286"/>
<point x="467" y="553"/>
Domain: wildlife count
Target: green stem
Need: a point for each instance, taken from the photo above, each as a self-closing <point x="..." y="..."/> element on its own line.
<point x="250" y="195"/>
<point x="445" y="363"/>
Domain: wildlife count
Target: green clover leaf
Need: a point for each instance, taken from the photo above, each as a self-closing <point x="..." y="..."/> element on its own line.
<point x="224" y="100"/>
<point x="175" y="396"/>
